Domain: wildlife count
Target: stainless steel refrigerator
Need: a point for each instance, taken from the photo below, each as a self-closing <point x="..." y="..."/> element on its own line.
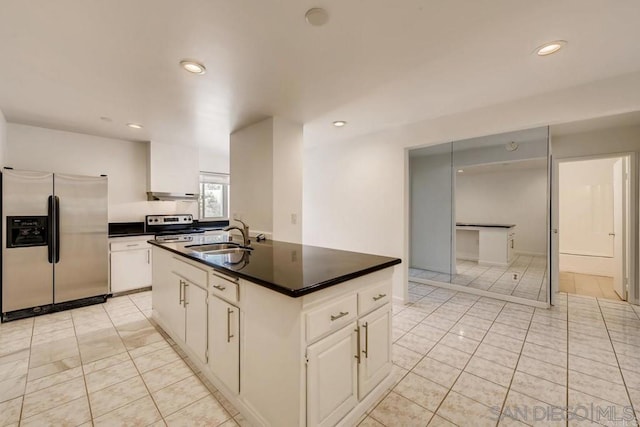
<point x="54" y="245"/>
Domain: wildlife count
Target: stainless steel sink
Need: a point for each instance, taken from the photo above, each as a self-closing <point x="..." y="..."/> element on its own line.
<point x="219" y="248"/>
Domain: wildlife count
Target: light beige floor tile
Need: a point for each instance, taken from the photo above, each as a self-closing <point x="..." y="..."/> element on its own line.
<point x="460" y="342"/>
<point x="53" y="336"/>
<point x="482" y="368"/>
<point x="497" y="355"/>
<point x="596" y="369"/>
<point x="396" y="410"/>
<point x="545" y="354"/>
<point x="113" y="397"/>
<point x="468" y="331"/>
<point x="501" y="341"/>
<point x="10" y="411"/>
<point x="593" y="386"/>
<point x="52" y="397"/>
<point x="438" y="421"/>
<point x="224" y="402"/>
<point x="14" y="368"/>
<point x="422" y="391"/>
<point x="480" y="390"/>
<point x="437" y="372"/>
<point x="105" y="344"/>
<point x="540" y="369"/>
<point x="204" y="412"/>
<point x="103" y="378"/>
<point x="72" y="413"/>
<point x="404" y="357"/>
<point x="450" y="356"/>
<point x="163" y="376"/>
<point x="370" y="422"/>
<point x="520" y="407"/>
<point x="12" y="388"/>
<point x="539" y="389"/>
<point x="44" y="354"/>
<point x="466" y="412"/>
<point x="416" y="343"/>
<point x="105" y="363"/>
<point x="427" y="331"/>
<point x="594" y="408"/>
<point x="53" y="326"/>
<point x="53" y="368"/>
<point x="179" y="395"/>
<point x="141" y="412"/>
<point x="156" y="359"/>
<point x="53" y="379"/>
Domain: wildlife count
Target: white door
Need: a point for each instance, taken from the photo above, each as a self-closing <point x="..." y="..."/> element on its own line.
<point x="618" y="233"/>
<point x="332" y="370"/>
<point x="224" y="342"/>
<point x="195" y="301"/>
<point x="375" y="346"/>
<point x="167" y="295"/>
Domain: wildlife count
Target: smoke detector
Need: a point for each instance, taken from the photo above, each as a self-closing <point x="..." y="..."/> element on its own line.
<point x="316" y="16"/>
<point x="511" y="146"/>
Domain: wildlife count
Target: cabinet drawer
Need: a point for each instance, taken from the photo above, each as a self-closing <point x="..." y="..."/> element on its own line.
<point x="129" y="245"/>
<point x="193" y="274"/>
<point x="374" y="297"/>
<point x="224" y="286"/>
<point x="331" y="317"/>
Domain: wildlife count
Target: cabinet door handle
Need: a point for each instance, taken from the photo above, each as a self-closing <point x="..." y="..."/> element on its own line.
<point x="180" y="293"/>
<point x="148" y="256"/>
<point x="366" y="340"/>
<point x="229" y="335"/>
<point x="185" y="294"/>
<point x="220" y="288"/>
<point x="380" y="296"/>
<point x="357" y="356"/>
<point x="511" y="243"/>
<point x="337" y="316"/>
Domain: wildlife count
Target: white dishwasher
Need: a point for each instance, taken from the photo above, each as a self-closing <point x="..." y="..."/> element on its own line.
<point x="130" y="262"/>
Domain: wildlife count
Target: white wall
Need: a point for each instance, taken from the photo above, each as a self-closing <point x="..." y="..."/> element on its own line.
<point x="3" y="139"/>
<point x="354" y="190"/>
<point x="431" y="212"/>
<point x="124" y="162"/>
<point x="251" y="163"/>
<point x="513" y="197"/>
<point x="287" y="181"/>
<point x="213" y="161"/>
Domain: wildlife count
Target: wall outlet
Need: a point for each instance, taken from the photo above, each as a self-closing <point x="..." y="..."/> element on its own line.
<point x="294" y="218"/>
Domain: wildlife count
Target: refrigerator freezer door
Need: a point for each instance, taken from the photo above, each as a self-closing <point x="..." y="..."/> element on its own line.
<point x="27" y="275"/>
<point x="82" y="267"/>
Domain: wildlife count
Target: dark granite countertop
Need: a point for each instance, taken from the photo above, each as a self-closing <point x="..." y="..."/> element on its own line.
<point x="473" y="224"/>
<point x="291" y="269"/>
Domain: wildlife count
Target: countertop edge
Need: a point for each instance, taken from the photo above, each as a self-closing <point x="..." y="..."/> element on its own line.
<point x="286" y="291"/>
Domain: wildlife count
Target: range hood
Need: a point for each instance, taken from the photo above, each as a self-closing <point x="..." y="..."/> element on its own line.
<point x="155" y="195"/>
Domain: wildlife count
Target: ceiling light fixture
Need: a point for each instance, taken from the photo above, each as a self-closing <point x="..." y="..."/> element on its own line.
<point x="511" y="146"/>
<point x="551" y="47"/>
<point x="316" y="16"/>
<point x="193" y="67"/>
<point x="135" y="125"/>
<point x="460" y="170"/>
<point x="339" y="123"/>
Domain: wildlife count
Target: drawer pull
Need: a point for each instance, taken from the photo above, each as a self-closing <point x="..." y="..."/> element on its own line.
<point x="220" y="288"/>
<point x="132" y="245"/>
<point x="380" y="296"/>
<point x="232" y="280"/>
<point x="337" y="316"/>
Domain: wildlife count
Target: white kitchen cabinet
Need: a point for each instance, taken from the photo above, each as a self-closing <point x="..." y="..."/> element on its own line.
<point x="332" y="370"/>
<point x="164" y="160"/>
<point x="375" y="349"/>
<point x="130" y="263"/>
<point x="224" y="342"/>
<point x="167" y="295"/>
<point x="195" y="303"/>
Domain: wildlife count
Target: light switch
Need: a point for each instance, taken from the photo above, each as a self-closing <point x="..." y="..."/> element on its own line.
<point x="294" y="218"/>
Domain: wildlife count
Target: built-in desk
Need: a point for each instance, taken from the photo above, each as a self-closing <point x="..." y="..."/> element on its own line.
<point x="488" y="244"/>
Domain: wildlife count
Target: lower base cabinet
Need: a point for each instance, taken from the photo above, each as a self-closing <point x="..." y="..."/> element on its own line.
<point x="332" y="383"/>
<point x="375" y="343"/>
<point x="224" y="342"/>
<point x="195" y="301"/>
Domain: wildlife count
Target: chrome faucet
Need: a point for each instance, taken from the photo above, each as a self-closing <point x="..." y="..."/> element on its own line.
<point x="244" y="230"/>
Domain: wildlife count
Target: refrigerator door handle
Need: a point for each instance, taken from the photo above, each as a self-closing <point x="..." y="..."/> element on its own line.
<point x="57" y="228"/>
<point x="50" y="247"/>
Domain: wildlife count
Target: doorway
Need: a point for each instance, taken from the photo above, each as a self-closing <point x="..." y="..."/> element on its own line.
<point x="593" y="226"/>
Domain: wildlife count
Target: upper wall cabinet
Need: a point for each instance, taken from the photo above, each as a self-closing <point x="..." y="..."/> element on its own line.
<point x="173" y="171"/>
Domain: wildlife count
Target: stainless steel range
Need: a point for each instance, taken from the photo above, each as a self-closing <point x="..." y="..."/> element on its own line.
<point x="172" y="228"/>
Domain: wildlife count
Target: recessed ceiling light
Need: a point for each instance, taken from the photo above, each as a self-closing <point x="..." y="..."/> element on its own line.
<point x="135" y="125"/>
<point x="551" y="47"/>
<point x="316" y="16"/>
<point x="460" y="170"/>
<point x="339" y="123"/>
<point x="193" y="66"/>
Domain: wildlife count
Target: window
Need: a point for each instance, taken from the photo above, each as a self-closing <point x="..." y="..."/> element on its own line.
<point x="214" y="196"/>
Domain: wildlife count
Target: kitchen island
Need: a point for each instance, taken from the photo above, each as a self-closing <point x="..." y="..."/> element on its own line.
<point x="292" y="335"/>
<point x="488" y="244"/>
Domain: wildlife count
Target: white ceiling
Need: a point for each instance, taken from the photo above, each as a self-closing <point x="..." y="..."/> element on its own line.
<point x="377" y="64"/>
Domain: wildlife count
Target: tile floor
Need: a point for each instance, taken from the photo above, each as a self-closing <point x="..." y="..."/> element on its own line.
<point x="524" y="278"/>
<point x="474" y="361"/>
<point x="459" y="359"/>
<point x="587" y="284"/>
<point x="103" y="365"/>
